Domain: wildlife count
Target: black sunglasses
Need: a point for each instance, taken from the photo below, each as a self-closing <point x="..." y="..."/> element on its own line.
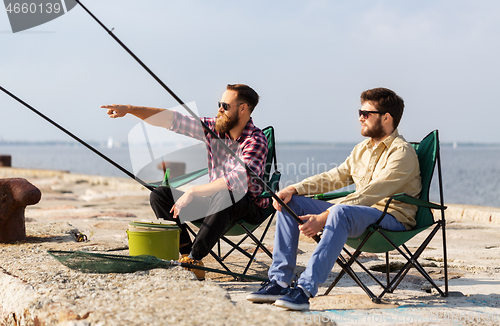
<point x="366" y="114"/>
<point x="224" y="105"/>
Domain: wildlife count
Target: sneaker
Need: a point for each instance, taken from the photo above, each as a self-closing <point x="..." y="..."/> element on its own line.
<point x="295" y="299"/>
<point x="268" y="293"/>
<point x="200" y="274"/>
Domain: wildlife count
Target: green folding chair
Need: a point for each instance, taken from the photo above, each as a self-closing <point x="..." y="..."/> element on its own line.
<point x="378" y="240"/>
<point x="271" y="178"/>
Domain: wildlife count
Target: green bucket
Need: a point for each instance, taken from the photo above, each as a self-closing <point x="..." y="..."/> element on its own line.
<point x="155" y="239"/>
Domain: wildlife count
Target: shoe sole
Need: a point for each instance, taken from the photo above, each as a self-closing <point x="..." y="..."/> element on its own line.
<point x="291" y="306"/>
<point x="263" y="298"/>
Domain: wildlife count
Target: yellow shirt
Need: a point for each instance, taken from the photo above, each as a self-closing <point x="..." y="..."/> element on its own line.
<point x="390" y="168"/>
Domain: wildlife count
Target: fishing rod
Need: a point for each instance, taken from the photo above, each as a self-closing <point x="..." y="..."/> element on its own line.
<point x="204" y="126"/>
<point x="142" y="182"/>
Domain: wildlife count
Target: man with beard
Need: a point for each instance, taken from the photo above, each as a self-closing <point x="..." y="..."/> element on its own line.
<point x="381" y="166"/>
<point x="231" y="194"/>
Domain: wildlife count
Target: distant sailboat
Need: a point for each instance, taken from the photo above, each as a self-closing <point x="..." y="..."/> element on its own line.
<point x="455" y="145"/>
<point x="110" y="142"/>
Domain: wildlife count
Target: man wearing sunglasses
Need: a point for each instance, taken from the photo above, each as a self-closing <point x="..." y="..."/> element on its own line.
<point x="381" y="166"/>
<point x="231" y="194"/>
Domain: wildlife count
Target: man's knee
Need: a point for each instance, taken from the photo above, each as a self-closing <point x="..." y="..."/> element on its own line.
<point x="161" y="196"/>
<point x="339" y="209"/>
<point x="294" y="202"/>
<point x="154" y="197"/>
<point x="339" y="213"/>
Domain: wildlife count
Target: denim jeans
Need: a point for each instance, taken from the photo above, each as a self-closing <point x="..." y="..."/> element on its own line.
<point x="343" y="221"/>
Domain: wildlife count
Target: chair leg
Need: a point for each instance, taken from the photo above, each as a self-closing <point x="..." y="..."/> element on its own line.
<point x="406" y="268"/>
<point x="337" y="279"/>
<point x="403" y="272"/>
<point x="217" y="258"/>
<point x="443" y="223"/>
<point x="234" y="247"/>
<point x="398" y="278"/>
<point x="419" y="267"/>
<point x="247" y="235"/>
<point x="212" y="253"/>
<point x="412" y="260"/>
<point x="346" y="268"/>
<point x="445" y="259"/>
<point x="259" y="245"/>
<point x="365" y="269"/>
<point x="250" y="261"/>
<point x="227" y="241"/>
<point x="257" y="242"/>
<point x="388" y="271"/>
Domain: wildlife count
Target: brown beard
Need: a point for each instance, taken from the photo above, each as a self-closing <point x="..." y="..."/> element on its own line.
<point x="224" y="124"/>
<point x="376" y="131"/>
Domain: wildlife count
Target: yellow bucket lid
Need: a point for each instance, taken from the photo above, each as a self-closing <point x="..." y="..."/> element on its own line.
<point x="151" y="226"/>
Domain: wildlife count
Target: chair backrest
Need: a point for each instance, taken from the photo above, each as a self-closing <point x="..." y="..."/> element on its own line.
<point x="271" y="153"/>
<point x="272" y="180"/>
<point x="428" y="153"/>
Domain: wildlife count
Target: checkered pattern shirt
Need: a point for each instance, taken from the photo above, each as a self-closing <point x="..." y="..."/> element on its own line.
<point x="251" y="147"/>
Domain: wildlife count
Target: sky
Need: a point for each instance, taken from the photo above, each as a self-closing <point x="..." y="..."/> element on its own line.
<point x="308" y="60"/>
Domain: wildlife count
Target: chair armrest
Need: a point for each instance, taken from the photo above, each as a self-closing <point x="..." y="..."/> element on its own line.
<point x="416" y="201"/>
<point x="183" y="179"/>
<point x="333" y="195"/>
<point x="273" y="183"/>
<point x="188" y="177"/>
<point x="265" y="194"/>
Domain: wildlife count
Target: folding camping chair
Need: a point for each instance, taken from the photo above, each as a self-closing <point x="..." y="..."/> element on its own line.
<point x="241" y="227"/>
<point x="378" y="240"/>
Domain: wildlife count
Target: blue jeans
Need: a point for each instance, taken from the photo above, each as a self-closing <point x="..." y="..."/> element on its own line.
<point x="343" y="221"/>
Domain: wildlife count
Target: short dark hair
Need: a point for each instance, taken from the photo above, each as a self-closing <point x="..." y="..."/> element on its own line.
<point x="383" y="99"/>
<point x="245" y="94"/>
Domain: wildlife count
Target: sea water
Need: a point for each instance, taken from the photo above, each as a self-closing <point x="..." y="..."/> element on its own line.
<point x="471" y="173"/>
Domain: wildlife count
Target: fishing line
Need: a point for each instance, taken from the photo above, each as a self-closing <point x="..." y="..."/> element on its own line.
<point x="207" y="129"/>
<point x="151" y="156"/>
<point x="78" y="139"/>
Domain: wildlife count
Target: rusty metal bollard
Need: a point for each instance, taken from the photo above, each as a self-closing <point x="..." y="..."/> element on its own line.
<point x="176" y="168"/>
<point x="6" y="160"/>
<point x="15" y="195"/>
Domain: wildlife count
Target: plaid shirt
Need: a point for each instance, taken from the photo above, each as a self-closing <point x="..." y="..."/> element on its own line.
<point x="251" y="147"/>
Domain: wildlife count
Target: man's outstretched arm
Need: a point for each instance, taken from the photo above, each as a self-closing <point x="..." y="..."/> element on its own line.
<point x="153" y="116"/>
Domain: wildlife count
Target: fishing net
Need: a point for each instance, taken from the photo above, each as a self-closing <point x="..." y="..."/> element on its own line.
<point x="89" y="262"/>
